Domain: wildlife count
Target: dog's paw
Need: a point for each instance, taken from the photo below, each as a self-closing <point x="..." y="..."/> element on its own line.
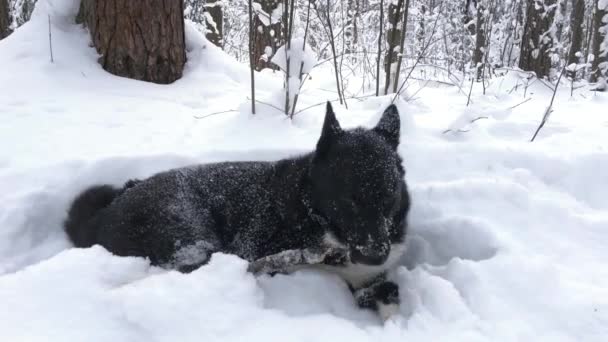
<point x="387" y="293"/>
<point x="387" y="299"/>
<point x="381" y="297"/>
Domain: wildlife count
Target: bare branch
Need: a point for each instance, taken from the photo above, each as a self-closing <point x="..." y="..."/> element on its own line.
<point x="549" y="108"/>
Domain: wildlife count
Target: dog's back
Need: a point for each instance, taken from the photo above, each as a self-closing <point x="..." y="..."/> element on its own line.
<point x="179" y="217"/>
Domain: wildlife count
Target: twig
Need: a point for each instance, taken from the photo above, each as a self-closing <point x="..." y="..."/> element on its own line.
<point x="50" y="40"/>
<point x="463" y="130"/>
<point x="251" y="57"/>
<point x="519" y="104"/>
<point x="333" y="51"/>
<point x="470" y="91"/>
<point x="324" y="102"/>
<point x="417" y="91"/>
<point x="300" y="75"/>
<point x="420" y="56"/>
<point x="402" y="46"/>
<point x="379" y="48"/>
<point x="215" y="113"/>
<point x="269" y="105"/>
<point x="550" y="108"/>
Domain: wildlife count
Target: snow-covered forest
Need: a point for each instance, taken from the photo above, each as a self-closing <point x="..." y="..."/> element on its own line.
<point x="504" y="122"/>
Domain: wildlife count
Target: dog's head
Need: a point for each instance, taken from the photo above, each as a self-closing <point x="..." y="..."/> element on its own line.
<point x="357" y="182"/>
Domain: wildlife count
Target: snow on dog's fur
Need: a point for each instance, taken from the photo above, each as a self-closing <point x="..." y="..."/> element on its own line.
<point x="343" y="206"/>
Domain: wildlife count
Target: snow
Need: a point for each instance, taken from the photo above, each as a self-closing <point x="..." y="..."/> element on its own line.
<point x="264" y="17"/>
<point x="299" y="56"/>
<point x="507" y="238"/>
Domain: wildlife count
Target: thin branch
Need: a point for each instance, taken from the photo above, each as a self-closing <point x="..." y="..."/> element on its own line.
<point x="417" y="91"/>
<point x="51" y="40"/>
<point x="333" y="51"/>
<point x="251" y="57"/>
<point x="470" y="91"/>
<point x="215" y="113"/>
<point x="549" y="108"/>
<point x="519" y="104"/>
<point x="379" y="48"/>
<point x="301" y="74"/>
<point x="269" y="105"/>
<point x="465" y="130"/>
<point x="324" y="102"/>
<point x="420" y="56"/>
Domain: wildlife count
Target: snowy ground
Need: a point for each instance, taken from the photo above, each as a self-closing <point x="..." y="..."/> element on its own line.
<point x="508" y="238"/>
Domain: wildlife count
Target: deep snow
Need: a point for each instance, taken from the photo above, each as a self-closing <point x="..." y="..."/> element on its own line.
<point x="507" y="241"/>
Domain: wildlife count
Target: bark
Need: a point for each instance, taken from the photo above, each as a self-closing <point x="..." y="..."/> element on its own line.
<point x="511" y="31"/>
<point x="215" y="28"/>
<point x="392" y="37"/>
<point x="480" y="40"/>
<point x="421" y="33"/>
<point x="334" y="55"/>
<point x="23" y="13"/>
<point x="516" y="33"/>
<point x="467" y="15"/>
<point x="142" y="40"/>
<point x="537" y="42"/>
<point x="266" y="36"/>
<point x="350" y="32"/>
<point x="598" y="67"/>
<point x="380" y="36"/>
<point x="560" y="24"/>
<point x="5" y="21"/>
<point x="402" y="45"/>
<point x="576" y="25"/>
<point x="251" y="58"/>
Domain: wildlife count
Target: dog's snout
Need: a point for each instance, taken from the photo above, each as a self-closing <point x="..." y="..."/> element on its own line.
<point x="370" y="256"/>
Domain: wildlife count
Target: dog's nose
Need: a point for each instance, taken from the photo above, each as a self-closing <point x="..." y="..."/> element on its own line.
<point x="374" y="258"/>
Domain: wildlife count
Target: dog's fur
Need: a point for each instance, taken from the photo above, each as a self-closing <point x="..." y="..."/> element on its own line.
<point x="349" y="193"/>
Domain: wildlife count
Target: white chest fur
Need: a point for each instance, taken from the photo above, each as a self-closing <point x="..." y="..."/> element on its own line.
<point x="358" y="274"/>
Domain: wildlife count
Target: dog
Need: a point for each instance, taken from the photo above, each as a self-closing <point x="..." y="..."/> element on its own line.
<point x="342" y="207"/>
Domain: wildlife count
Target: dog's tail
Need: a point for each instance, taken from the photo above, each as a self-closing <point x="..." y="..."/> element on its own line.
<point x="79" y="225"/>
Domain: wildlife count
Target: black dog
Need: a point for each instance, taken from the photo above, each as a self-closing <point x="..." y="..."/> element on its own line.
<point x="342" y="207"/>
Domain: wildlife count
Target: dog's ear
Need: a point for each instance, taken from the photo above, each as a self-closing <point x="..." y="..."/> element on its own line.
<point x="389" y="126"/>
<point x="331" y="129"/>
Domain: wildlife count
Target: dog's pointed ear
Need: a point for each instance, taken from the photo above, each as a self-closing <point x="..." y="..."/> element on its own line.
<point x="331" y="129"/>
<point x="389" y="126"/>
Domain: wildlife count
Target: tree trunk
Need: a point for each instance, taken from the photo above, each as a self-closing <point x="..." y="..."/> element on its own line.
<point x="351" y="35"/>
<point x="467" y="16"/>
<point x="215" y="26"/>
<point x="23" y="12"/>
<point x="600" y="60"/>
<point x="392" y="37"/>
<point x="559" y="25"/>
<point x="517" y="33"/>
<point x="576" y="26"/>
<point x="480" y="40"/>
<point x="5" y="21"/>
<point x="142" y="40"/>
<point x="421" y="33"/>
<point x="402" y="44"/>
<point x="380" y="37"/>
<point x="537" y="41"/>
<point x="267" y="38"/>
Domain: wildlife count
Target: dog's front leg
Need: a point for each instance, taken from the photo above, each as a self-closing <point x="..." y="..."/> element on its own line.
<point x="290" y="260"/>
<point x="380" y="295"/>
